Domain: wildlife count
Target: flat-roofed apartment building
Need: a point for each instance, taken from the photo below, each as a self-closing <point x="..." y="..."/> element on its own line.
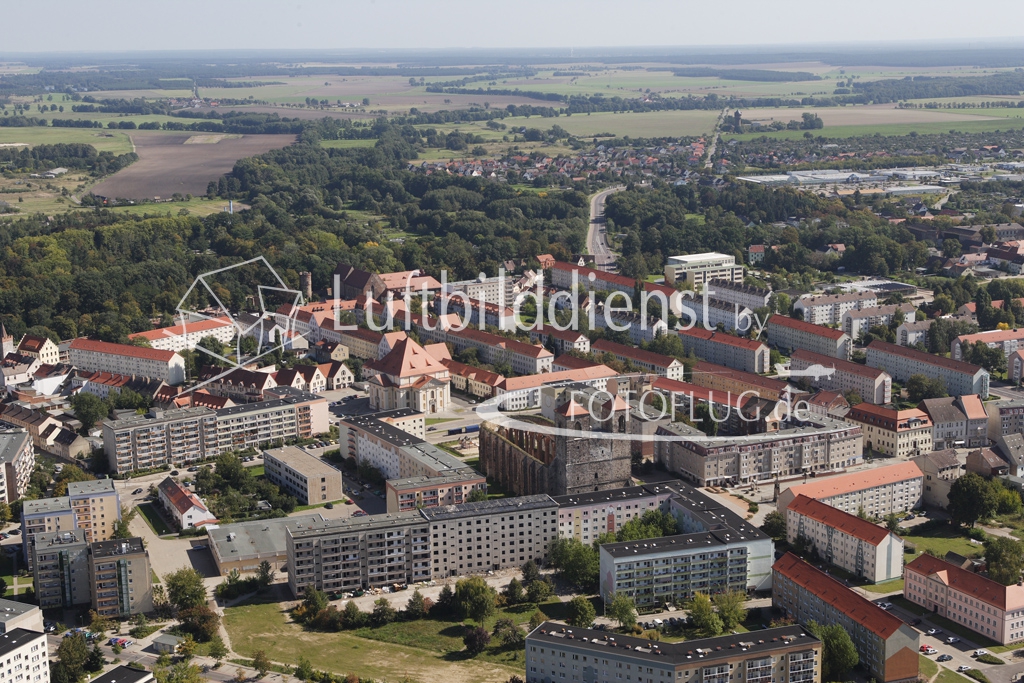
<point x="734" y="292"/>
<point x="183" y="435"/>
<point x="864" y="549"/>
<point x="311" y="480"/>
<point x="358" y="552"/>
<point x="244" y="545"/>
<point x="492" y="535"/>
<point x="585" y="516"/>
<point x="879" y="491"/>
<point x="125" y="359"/>
<point x="120" y="577"/>
<point x="887" y="646"/>
<point x="556" y="653"/>
<point x="902" y="362"/>
<point x="186" y="337"/>
<point x="829" y="309"/>
<point x="15" y="614"/>
<point x="720" y="348"/>
<point x="978" y="603"/>
<point x="700" y="268"/>
<point x="26" y="656"/>
<point x="788" y="334"/>
<point x="17" y="461"/>
<point x="1005" y="417"/>
<point x="422" y="491"/>
<point x="817" y="444"/>
<point x="896" y="433"/>
<point x="90" y="506"/>
<point x="60" y="567"/>
<point x="871" y="384"/>
<point x="663" y="366"/>
<point x="395" y="452"/>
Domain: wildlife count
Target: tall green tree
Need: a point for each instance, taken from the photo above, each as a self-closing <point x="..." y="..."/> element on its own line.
<point x="774" y="525"/>
<point x="1005" y="559"/>
<point x="185" y="588"/>
<point x="838" y="653"/>
<point x="730" y="608"/>
<point x="971" y="498"/>
<point x="474" y="598"/>
<point x="621" y="609"/>
<point x="581" y="612"/>
<point x="703" y="616"/>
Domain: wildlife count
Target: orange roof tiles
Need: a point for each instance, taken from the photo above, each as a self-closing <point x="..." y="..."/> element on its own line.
<point x="975" y="585"/>
<point x="633" y="353"/>
<point x="922" y="357"/>
<point x="83" y="344"/>
<point x="723" y="338"/>
<point x="888" y="418"/>
<point x="407" y="359"/>
<point x="802" y="326"/>
<point x="178" y="330"/>
<point x="827" y="589"/>
<point x="858" y="481"/>
<point x="848" y="524"/>
<point x="839" y="364"/>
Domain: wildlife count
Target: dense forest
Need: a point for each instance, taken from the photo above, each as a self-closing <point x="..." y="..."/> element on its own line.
<point x="76" y="156"/>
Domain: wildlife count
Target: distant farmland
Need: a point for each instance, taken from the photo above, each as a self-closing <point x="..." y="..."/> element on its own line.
<point x="167" y="165"/>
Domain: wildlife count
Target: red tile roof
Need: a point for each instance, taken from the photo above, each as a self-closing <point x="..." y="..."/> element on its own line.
<point x="703" y="367"/>
<point x="975" y="585"/>
<point x="921" y="356"/>
<point x="83" y="344"/>
<point x="809" y="328"/>
<point x="655" y="359"/>
<point x="178" y="330"/>
<point x="30" y="343"/>
<point x="181" y="498"/>
<point x="858" y="481"/>
<point x="580" y="375"/>
<point x="851" y="525"/>
<point x="888" y="418"/>
<point x="723" y="338"/>
<point x="827" y="589"/>
<point x="583" y="273"/>
<point x="839" y="364"/>
<point x="574" y="363"/>
<point x="407" y="359"/>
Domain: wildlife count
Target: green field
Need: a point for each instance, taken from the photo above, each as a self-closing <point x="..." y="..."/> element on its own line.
<point x="884" y="587"/>
<point x="927" y="667"/>
<point x="154" y="520"/>
<point x="633" y="124"/>
<point x="941" y="539"/>
<point x="925" y="128"/>
<point x="115" y="141"/>
<point x="418" y="650"/>
<point x="347" y="144"/>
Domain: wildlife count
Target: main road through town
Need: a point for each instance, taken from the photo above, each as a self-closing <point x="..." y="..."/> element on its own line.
<point x="597" y="239"/>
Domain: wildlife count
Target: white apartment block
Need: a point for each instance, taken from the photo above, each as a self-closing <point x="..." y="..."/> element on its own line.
<point x="878" y="491"/>
<point x="25" y="655"/>
<point x="788" y="334"/>
<point x="40" y="348"/>
<point x="125" y="359"/>
<point x="733" y="352"/>
<point x="864" y="549"/>
<point x="17" y="462"/>
<point x="871" y="384"/>
<point x="586" y="516"/>
<point x="640" y="328"/>
<point x="858" y="321"/>
<point x="493" y="290"/>
<point x="829" y="309"/>
<point x="491" y="314"/>
<point x="186" y="337"/>
<point x="663" y="366"/>
<point x="700" y="268"/>
<point x="902" y="362"/>
<point x="394" y="451"/>
<point x="730" y="316"/>
<point x="913" y="333"/>
<point x="738" y="293"/>
<point x="1006" y="341"/>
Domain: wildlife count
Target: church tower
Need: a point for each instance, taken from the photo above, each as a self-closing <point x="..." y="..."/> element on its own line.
<point x="8" y="340"/>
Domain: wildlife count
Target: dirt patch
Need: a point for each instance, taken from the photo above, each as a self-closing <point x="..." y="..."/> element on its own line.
<point x="863" y="115"/>
<point x="167" y="165"/>
<point x="208" y="139"/>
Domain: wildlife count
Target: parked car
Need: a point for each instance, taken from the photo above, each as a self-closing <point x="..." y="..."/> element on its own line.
<point x="359" y="513"/>
<point x="933" y="631"/>
<point x="944" y="658"/>
<point x="174" y="473"/>
<point x="952" y="639"/>
<point x="884" y="605"/>
<point x="928" y="649"/>
<point x="137" y="491"/>
<point x="329" y="506"/>
<point x="193" y="469"/>
<point x="915" y="622"/>
<point x="962" y="668"/>
<point x="978" y="653"/>
<point x="15" y="532"/>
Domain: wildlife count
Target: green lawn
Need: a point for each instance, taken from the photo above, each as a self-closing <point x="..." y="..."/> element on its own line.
<point x="884" y="587"/>
<point x="923" y="128"/>
<point x="927" y="667"/>
<point x="301" y="508"/>
<point x="430" y="421"/>
<point x="415" y="650"/>
<point x="154" y="520"/>
<point x="347" y="144"/>
<point x="950" y="676"/>
<point x="940" y="538"/>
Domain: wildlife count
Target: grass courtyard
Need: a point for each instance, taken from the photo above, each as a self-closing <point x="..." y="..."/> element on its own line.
<point x="154" y="519"/>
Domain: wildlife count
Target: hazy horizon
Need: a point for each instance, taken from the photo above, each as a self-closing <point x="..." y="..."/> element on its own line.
<point x="119" y="26"/>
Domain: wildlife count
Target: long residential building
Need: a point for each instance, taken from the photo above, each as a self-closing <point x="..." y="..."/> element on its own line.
<point x="871" y="384"/>
<point x="556" y="653"/>
<point x="1005" y="417"/>
<point x="183" y="435"/>
<point x="421" y="545"/>
<point x="902" y="363"/>
<point x="186" y="337"/>
<point x="1006" y="341"/>
<point x="663" y="366"/>
<point x="818" y="444"/>
<point x="975" y="602"/>
<point x="887" y="646"/>
<point x="866" y="550"/>
<point x="125" y="359"/>
<point x="878" y="491"/>
<point x="739" y="353"/>
<point x="562" y="278"/>
<point x="744" y="295"/>
<point x="393" y="451"/>
<point x="523" y="358"/>
<point x="858" y="321"/>
<point x="788" y="334"/>
<point x="89" y="506"/>
<point x="737" y="382"/>
<point x="17" y="462"/>
<point x="829" y="309"/>
<point x="422" y="491"/>
<point x="585" y="516"/>
<point x="896" y="433"/>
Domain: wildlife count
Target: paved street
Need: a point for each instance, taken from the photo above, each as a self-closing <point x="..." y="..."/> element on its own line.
<point x="597" y="239"/>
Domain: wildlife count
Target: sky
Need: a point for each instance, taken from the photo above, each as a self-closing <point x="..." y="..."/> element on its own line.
<point x="131" y="25"/>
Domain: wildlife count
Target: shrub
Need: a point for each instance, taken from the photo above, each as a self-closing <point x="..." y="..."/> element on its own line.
<point x="990" y="659"/>
<point x="977" y="675"/>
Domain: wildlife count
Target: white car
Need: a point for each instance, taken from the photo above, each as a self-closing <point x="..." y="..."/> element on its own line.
<point x="885" y="605"/>
<point x="963" y="668"/>
<point x="933" y="631"/>
<point x="952" y="639"/>
<point x="978" y="653"/>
